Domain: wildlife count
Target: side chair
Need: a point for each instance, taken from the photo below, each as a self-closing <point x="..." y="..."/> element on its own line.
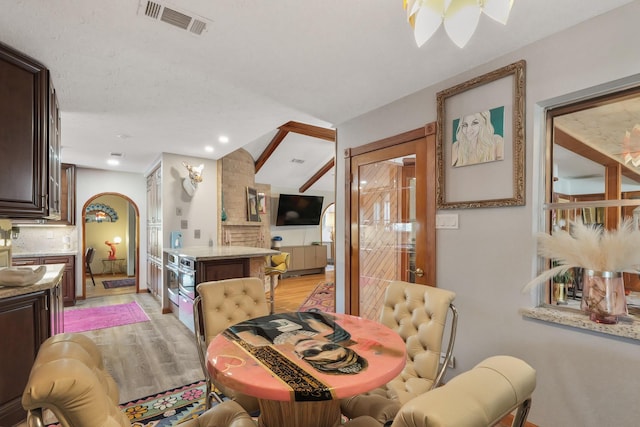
<point x="418" y="313"/>
<point x="88" y="260"/>
<point x="220" y="304"/>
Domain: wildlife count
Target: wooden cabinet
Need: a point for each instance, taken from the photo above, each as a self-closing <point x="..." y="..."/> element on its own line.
<point x="307" y="259"/>
<point x="25" y="321"/>
<point x="154" y="232"/>
<point x="29" y="138"/>
<point x="222" y="269"/>
<point x="68" y="282"/>
<point x="67" y="194"/>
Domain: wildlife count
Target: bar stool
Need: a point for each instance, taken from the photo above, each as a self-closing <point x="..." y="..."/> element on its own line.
<point x="277" y="265"/>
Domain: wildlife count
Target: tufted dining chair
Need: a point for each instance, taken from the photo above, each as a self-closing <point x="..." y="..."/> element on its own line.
<point x="418" y="313"/>
<point x="479" y="397"/>
<point x="220" y="304"/>
<point x="68" y="379"/>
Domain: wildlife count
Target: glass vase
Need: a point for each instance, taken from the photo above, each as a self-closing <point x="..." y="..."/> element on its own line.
<point x="603" y="296"/>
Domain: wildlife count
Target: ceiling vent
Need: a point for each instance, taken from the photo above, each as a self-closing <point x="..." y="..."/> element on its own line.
<point x="299" y="161"/>
<point x="178" y="18"/>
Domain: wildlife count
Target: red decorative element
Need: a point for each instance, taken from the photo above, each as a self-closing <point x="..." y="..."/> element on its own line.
<point x="112" y="252"/>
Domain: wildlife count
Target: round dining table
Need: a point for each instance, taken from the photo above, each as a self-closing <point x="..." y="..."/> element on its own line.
<point x="300" y="364"/>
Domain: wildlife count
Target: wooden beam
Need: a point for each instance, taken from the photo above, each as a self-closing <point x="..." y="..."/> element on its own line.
<point x="316" y="176"/>
<point x="310" y="130"/>
<point x="567" y="141"/>
<point x="270" y="148"/>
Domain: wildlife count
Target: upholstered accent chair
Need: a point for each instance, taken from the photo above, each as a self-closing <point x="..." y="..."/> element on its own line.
<point x="68" y="378"/>
<point x="276" y="266"/>
<point x="419" y="314"/>
<point x="220" y="304"/>
<point x="480" y="397"/>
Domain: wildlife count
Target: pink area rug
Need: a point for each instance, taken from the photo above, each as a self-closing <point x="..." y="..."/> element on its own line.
<point x="89" y="319"/>
<point x="321" y="299"/>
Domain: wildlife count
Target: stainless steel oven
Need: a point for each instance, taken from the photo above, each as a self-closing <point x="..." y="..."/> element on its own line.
<point x="173" y="281"/>
<point x="187" y="290"/>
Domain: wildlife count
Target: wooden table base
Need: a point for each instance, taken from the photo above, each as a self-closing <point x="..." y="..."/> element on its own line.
<point x="275" y="413"/>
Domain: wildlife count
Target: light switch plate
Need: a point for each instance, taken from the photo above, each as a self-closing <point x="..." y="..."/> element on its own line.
<point x="447" y="221"/>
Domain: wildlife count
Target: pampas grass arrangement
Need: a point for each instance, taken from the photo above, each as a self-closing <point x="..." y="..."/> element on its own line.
<point x="590" y="247"/>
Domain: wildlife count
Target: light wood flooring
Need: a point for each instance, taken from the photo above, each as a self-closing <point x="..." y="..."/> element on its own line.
<point x="150" y="357"/>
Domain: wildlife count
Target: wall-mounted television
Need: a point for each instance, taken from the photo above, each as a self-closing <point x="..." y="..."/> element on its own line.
<point x="294" y="209"/>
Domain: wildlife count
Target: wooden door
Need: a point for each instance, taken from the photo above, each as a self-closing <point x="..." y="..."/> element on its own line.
<point x="391" y="213"/>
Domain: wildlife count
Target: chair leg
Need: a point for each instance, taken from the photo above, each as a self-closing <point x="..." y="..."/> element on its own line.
<point x="91" y="274"/>
<point x="521" y="414"/>
<point x="272" y="297"/>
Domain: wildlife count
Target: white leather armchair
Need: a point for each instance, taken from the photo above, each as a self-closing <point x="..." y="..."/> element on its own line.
<point x="69" y="379"/>
<point x="480" y="397"/>
<point x="419" y="314"/>
<point x="220" y="304"/>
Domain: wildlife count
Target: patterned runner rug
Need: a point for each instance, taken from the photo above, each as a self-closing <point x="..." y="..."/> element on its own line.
<point x="321" y="299"/>
<point x="166" y="409"/>
<point x="119" y="283"/>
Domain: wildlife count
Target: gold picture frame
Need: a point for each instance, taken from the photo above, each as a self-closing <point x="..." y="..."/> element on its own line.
<point x="495" y="177"/>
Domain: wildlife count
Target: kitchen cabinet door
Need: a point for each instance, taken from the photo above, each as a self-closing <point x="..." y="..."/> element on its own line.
<point x="24" y="96"/>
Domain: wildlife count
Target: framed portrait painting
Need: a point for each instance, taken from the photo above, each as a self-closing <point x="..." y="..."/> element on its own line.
<point x="480" y="141"/>
<point x="253" y="213"/>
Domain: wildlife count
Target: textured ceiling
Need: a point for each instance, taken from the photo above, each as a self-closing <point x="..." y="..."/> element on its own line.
<point x="132" y="85"/>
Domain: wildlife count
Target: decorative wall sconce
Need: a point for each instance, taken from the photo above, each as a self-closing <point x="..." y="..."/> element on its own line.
<point x="112" y="246"/>
<point x="190" y="184"/>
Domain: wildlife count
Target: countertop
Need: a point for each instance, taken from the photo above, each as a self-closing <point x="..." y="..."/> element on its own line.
<point x="61" y="252"/>
<point x="50" y="279"/>
<point x="204" y="253"/>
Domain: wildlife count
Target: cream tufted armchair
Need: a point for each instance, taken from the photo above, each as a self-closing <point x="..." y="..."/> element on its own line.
<point x="220" y="304"/>
<point x="419" y="314"/>
<point x="69" y="379"/>
<point x="480" y="397"/>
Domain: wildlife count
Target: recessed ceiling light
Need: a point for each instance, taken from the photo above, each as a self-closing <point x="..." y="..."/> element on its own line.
<point x="208" y="149"/>
<point x="113" y="162"/>
<point x="223" y="139"/>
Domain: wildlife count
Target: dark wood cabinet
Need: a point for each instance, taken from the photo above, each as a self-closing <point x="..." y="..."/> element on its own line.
<point x="222" y="269"/>
<point x="25" y="321"/>
<point x="29" y="138"/>
<point x="68" y="283"/>
<point x="68" y="194"/>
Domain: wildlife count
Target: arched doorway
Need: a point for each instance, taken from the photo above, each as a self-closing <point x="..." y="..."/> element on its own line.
<point x="111" y="225"/>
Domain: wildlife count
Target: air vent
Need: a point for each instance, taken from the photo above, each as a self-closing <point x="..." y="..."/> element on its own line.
<point x="116" y="155"/>
<point x="171" y="15"/>
<point x="299" y="161"/>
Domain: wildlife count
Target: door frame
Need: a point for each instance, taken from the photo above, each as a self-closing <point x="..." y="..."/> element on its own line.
<point x="84" y="239"/>
<point x="428" y="133"/>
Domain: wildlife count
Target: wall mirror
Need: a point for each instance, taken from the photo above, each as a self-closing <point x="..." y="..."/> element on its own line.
<point x="593" y="172"/>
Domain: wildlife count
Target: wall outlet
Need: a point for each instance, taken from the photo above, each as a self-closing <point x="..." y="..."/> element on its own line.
<point x="196" y="234"/>
<point x="452" y="361"/>
<point x="49" y="234"/>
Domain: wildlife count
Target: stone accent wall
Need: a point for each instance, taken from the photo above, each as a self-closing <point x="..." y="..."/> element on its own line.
<point x="237" y="172"/>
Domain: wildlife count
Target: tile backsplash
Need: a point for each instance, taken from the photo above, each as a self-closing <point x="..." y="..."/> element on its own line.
<point x="45" y="239"/>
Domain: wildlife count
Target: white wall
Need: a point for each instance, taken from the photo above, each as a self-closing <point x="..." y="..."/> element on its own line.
<point x="584" y="378"/>
<point x="91" y="182"/>
<point x="199" y="211"/>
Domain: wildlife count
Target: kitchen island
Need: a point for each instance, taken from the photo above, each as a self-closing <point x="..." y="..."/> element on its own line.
<point x="186" y="267"/>
<point x="28" y="316"/>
